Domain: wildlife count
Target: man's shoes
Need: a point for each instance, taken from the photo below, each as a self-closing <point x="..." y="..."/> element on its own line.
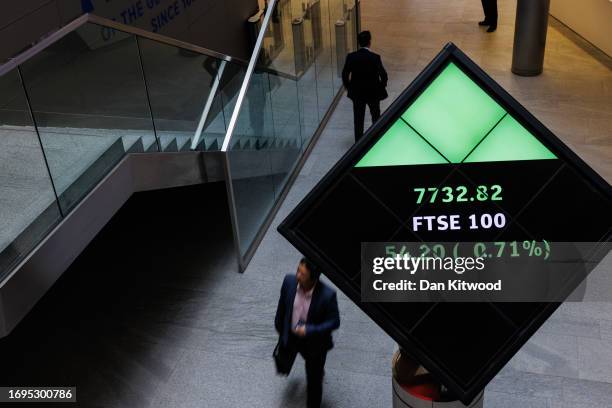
<point x="492" y="28"/>
<point x="484" y="23"/>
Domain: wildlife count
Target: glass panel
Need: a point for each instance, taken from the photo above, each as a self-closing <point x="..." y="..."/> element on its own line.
<point x="339" y="48"/>
<point x="319" y="13"/>
<point x="250" y="160"/>
<point x="284" y="104"/>
<point x="254" y="127"/>
<point x="352" y="24"/>
<point x="302" y="36"/>
<point x="286" y="119"/>
<point x="309" y="112"/>
<point x="285" y="51"/>
<point x="231" y="81"/>
<point x="180" y="84"/>
<point x="343" y="33"/>
<point x="303" y="46"/>
<point x="28" y="209"/>
<point x="90" y="105"/>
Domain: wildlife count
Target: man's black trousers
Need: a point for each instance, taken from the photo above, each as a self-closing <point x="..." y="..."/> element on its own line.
<point x="490" y="11"/>
<point x="359" y="108"/>
<point x="314" y="357"/>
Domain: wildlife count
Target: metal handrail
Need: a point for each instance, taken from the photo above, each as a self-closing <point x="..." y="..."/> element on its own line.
<point x="91" y="18"/>
<point x="42" y="44"/>
<point x="247" y="76"/>
<point x="208" y="106"/>
<point x="161" y="38"/>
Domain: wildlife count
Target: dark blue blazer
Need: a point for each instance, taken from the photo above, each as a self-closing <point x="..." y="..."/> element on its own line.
<point x="364" y="76"/>
<point x="323" y="315"/>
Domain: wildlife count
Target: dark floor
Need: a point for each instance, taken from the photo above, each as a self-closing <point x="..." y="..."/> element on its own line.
<point x="91" y="329"/>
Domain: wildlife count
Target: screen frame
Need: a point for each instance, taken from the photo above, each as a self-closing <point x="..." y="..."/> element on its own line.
<point x="287" y="228"/>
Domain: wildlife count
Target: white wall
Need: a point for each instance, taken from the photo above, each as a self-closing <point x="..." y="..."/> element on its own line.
<point x="592" y="19"/>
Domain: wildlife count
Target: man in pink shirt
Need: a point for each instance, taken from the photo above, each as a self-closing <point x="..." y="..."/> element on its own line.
<point x="307" y="314"/>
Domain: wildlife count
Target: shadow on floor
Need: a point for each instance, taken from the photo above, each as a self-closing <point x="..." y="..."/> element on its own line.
<point x="92" y="329"/>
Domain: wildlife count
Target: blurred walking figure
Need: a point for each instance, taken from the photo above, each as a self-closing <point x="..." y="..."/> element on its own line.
<point x="307" y="314"/>
<point x="365" y="79"/>
<point x="490" y="11"/>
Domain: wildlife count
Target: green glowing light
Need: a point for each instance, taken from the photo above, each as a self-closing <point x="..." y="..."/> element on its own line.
<point x="455" y="116"/>
<point x="453" y="113"/>
<point x="509" y="141"/>
<point x="400" y="146"/>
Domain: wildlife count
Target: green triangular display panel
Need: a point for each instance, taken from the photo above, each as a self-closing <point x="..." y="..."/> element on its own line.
<point x="400" y="146"/>
<point x="462" y="123"/>
<point x="508" y="141"/>
<point x="453" y="113"/>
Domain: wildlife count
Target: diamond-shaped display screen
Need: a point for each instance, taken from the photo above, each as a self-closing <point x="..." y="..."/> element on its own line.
<point x="454" y="142"/>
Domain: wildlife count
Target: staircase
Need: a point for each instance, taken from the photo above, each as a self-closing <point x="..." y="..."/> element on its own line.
<point x="84" y="124"/>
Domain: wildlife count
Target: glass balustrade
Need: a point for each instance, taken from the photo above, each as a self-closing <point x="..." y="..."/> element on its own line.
<point x="89" y="102"/>
<point x="285" y="100"/>
<point x="28" y="206"/>
<point x="100" y="90"/>
<point x="71" y="112"/>
<point x="185" y="90"/>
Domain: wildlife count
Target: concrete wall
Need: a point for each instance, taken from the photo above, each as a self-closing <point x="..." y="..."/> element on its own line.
<point x="592" y="19"/>
<point x="214" y="24"/>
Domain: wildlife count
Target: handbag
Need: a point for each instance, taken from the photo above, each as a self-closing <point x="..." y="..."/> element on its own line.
<point x="284" y="357"/>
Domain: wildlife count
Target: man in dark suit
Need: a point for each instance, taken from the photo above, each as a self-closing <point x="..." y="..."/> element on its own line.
<point x="365" y="79"/>
<point x="490" y="11"/>
<point x="307" y="314"/>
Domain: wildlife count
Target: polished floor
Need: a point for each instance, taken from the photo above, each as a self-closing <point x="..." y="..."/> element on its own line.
<point x="154" y="314"/>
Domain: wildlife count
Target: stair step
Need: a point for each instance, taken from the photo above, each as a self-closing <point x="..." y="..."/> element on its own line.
<point x="172" y="146"/>
<point x="136" y="147"/>
<point x="214" y="145"/>
<point x="186" y="145"/>
<point x="151" y="148"/>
